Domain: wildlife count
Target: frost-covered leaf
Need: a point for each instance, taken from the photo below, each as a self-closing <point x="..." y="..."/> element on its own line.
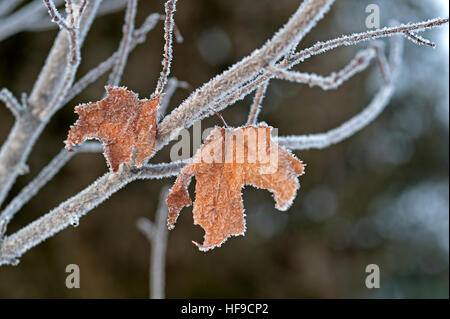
<point x="229" y="159"/>
<point x="122" y="122"/>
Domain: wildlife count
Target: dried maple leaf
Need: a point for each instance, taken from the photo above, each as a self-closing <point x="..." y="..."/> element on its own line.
<point x="122" y="122"/>
<point x="229" y="159"/>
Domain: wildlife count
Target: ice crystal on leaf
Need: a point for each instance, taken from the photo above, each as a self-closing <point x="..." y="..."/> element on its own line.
<point x="218" y="207"/>
<point x="122" y="122"/>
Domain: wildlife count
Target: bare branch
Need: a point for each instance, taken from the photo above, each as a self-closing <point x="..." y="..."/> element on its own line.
<point x="138" y="37"/>
<point x="178" y="36"/>
<point x="334" y="80"/>
<point x="159" y="170"/>
<point x="147" y="228"/>
<point x="56" y="17"/>
<point x="418" y="39"/>
<point x="70" y="211"/>
<point x="382" y="63"/>
<point x="28" y="127"/>
<point x="125" y="47"/>
<point x="67" y="213"/>
<point x="353" y="39"/>
<point x="168" y="34"/>
<point x="359" y="121"/>
<point x="309" y="12"/>
<point x="256" y="105"/>
<point x="318" y="48"/>
<point x="172" y="85"/>
<point x="73" y="60"/>
<point x="239" y="80"/>
<point x="56" y="74"/>
<point x="42" y="179"/>
<point x="105" y="8"/>
<point x="23" y="18"/>
<point x="156" y="234"/>
<point x="31" y="17"/>
<point x="11" y="102"/>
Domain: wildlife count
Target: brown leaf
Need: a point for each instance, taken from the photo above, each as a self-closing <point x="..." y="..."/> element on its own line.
<point x="229" y="159"/>
<point x="122" y="122"/>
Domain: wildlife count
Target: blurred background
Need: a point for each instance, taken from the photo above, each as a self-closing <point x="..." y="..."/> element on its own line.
<point x="381" y="197"/>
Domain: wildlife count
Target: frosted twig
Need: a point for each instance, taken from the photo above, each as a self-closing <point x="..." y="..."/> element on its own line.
<point x="161" y="170"/>
<point x="23" y="18"/>
<point x="178" y="36"/>
<point x="176" y="31"/>
<point x="70" y="211"/>
<point x="147" y="228"/>
<point x="146" y="27"/>
<point x="306" y="16"/>
<point x="27" y="128"/>
<point x="11" y="102"/>
<point x="74" y="57"/>
<point x="125" y="47"/>
<point x="138" y="37"/>
<point x="382" y="62"/>
<point x="318" y="48"/>
<point x="240" y="79"/>
<point x="255" y="108"/>
<point x="418" y="39"/>
<point x="335" y="79"/>
<point x="301" y="22"/>
<point x="105" y="8"/>
<point x="321" y="47"/>
<point x="356" y="123"/>
<point x="56" y="18"/>
<point x="156" y="234"/>
<point x="172" y="85"/>
<point x="54" y="14"/>
<point x="170" y="7"/>
<point x="45" y="175"/>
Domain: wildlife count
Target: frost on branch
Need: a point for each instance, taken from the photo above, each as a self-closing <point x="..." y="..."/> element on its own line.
<point x="229" y="159"/>
<point x="122" y="122"/>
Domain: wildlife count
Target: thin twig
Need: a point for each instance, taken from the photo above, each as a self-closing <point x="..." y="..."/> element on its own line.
<point x="125" y="47"/>
<point x="73" y="60"/>
<point x="170" y="7"/>
<point x="69" y="212"/>
<point x="359" y="121"/>
<point x="45" y="175"/>
<point x="105" y="8"/>
<point x="383" y="65"/>
<point x="56" y="18"/>
<point x="89" y="78"/>
<point x="353" y="39"/>
<point x="255" y="108"/>
<point x="335" y="79"/>
<point x="419" y="40"/>
<point x="172" y="84"/>
<point x="11" y="102"/>
<point x="319" y="48"/>
<point x="306" y="16"/>
<point x="157" y="234"/>
<point x="212" y="93"/>
<point x="27" y="128"/>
